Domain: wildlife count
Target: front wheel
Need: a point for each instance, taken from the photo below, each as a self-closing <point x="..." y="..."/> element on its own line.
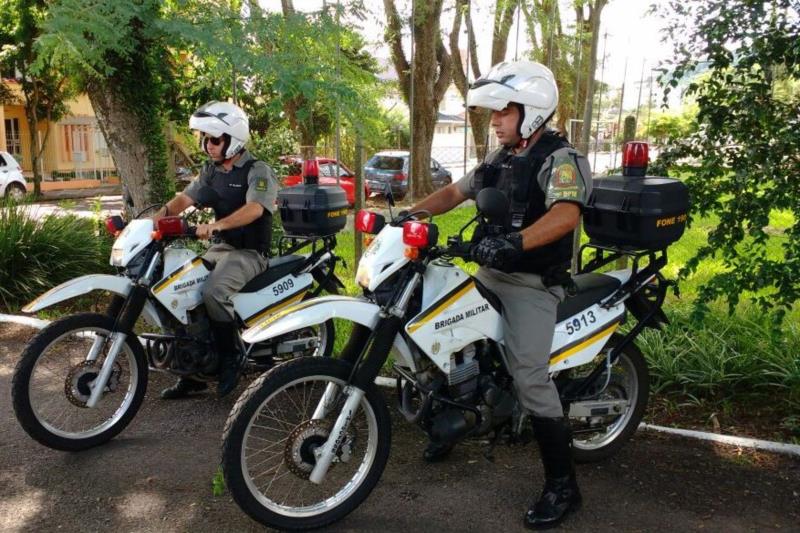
<point x="270" y="439"/>
<point x="599" y="439"/>
<point x="53" y="381"/>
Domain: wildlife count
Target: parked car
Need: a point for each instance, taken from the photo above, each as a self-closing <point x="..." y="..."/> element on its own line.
<point x="327" y="175"/>
<point x="12" y="182"/>
<point x="392" y="167"/>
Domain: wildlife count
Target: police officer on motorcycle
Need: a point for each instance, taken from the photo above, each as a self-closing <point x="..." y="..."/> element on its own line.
<point x="246" y="189"/>
<point x="547" y="182"/>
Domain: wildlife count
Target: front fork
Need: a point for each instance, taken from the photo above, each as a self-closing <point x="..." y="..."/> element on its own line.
<point x="365" y="370"/>
<point x="126" y="319"/>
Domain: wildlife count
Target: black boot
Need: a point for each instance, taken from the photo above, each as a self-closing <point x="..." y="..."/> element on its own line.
<point x="226" y="342"/>
<point x="560" y="495"/>
<point x="436" y="452"/>
<point x="183" y="388"/>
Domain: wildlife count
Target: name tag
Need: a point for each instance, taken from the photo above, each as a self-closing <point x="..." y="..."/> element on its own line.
<point x="235" y="185"/>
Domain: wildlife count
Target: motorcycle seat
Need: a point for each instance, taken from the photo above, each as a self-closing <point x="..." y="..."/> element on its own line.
<point x="278" y="267"/>
<point x="591" y="288"/>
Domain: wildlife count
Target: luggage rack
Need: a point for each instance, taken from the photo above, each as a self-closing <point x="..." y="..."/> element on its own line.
<point x="657" y="258"/>
<point x="289" y="244"/>
<point x="640" y="275"/>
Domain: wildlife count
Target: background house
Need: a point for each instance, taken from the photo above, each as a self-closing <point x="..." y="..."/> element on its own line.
<point x="75" y="150"/>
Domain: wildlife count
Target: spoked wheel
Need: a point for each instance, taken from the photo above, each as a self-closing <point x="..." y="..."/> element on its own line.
<point x="271" y="441"/>
<point x="629" y="381"/>
<point x="53" y="382"/>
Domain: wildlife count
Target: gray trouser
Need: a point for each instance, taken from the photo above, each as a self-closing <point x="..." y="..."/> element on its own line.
<point x="529" y="319"/>
<point x="233" y="269"/>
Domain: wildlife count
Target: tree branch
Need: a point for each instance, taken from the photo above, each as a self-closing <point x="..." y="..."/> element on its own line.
<point x="445" y="70"/>
<point x="473" y="46"/>
<point x="459" y="76"/>
<point x="503" y="19"/>
<point x="394" y="36"/>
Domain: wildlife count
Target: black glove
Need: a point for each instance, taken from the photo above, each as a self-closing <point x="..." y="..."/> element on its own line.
<point x="498" y="252"/>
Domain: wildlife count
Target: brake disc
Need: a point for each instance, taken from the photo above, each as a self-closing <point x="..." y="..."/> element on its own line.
<point x="77" y="386"/>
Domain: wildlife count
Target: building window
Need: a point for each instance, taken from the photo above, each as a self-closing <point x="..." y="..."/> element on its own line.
<point x="75" y="143"/>
<point x="13" y="142"/>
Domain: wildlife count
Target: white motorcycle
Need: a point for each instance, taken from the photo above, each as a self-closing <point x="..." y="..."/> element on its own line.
<point x="308" y="441"/>
<point x="82" y="378"/>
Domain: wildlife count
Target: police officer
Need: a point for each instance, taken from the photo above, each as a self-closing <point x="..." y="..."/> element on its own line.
<point x="247" y="190"/>
<point x="548" y="183"/>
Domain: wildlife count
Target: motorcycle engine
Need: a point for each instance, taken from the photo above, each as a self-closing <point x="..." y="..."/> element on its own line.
<point x="471" y="400"/>
<point x="187" y="351"/>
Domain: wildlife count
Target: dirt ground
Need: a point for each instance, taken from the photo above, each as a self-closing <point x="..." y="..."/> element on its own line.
<point x="156" y="476"/>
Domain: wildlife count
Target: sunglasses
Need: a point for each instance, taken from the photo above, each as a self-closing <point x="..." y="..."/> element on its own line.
<point x="216" y="141"/>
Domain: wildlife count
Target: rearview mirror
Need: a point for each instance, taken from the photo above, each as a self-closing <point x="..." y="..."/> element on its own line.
<point x="387" y="193"/>
<point x="492" y="203"/>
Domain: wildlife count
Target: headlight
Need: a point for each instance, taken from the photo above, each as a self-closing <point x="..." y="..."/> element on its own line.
<point x="117" y="254"/>
<point x="362" y="277"/>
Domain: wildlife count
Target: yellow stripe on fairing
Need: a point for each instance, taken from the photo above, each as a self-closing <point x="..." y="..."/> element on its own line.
<point x="591" y="340"/>
<point x="180" y="272"/>
<point x="275" y="308"/>
<point x="415" y="326"/>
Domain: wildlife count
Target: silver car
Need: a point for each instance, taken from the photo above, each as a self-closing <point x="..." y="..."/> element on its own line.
<point x="391" y="167"/>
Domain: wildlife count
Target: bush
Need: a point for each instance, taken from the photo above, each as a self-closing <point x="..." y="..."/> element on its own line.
<point x="724" y="355"/>
<point x="36" y="255"/>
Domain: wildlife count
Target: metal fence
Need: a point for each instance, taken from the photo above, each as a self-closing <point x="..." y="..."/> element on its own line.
<point x="81" y="152"/>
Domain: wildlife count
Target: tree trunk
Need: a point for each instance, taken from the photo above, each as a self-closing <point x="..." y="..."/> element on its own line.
<point x="34" y="152"/>
<point x="504" y="15"/>
<point x="121" y="129"/>
<point x="593" y="22"/>
<point x="432" y="75"/>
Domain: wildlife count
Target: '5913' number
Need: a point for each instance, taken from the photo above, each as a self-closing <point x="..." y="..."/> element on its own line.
<point x="580" y="322"/>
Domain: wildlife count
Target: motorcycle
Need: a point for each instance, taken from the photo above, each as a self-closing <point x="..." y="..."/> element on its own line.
<point x="81" y="379"/>
<point x="308" y="441"/>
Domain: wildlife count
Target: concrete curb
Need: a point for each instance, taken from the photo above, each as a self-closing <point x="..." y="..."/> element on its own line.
<point x="744" y="442"/>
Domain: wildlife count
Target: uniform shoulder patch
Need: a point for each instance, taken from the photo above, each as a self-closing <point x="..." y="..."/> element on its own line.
<point x="261" y="184"/>
<point x="565" y="175"/>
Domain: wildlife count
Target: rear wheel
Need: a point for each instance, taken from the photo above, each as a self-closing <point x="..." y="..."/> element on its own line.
<point x="629" y="381"/>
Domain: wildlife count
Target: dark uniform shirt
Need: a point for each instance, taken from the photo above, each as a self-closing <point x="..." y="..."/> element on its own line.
<point x="262" y="186"/>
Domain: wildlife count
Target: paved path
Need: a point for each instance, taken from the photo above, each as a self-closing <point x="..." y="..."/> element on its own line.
<point x="156" y="476"/>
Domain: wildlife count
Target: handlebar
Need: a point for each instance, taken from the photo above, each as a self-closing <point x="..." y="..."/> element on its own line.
<point x="455" y="248"/>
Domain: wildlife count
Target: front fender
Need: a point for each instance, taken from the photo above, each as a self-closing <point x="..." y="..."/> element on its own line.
<point x="75" y="287"/>
<point x="313" y="312"/>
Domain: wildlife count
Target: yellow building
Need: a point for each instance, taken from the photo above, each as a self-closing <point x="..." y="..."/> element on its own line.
<point x="76" y="148"/>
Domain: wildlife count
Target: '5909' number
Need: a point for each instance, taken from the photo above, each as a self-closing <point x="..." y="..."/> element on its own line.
<point x="282" y="287"/>
<point x="580" y="322"/>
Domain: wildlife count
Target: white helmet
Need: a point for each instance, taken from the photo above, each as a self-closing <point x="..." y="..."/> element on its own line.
<point x="218" y="119"/>
<point x="529" y="84"/>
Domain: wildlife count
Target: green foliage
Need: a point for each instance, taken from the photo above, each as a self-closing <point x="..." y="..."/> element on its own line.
<point x="119" y="46"/>
<point x="218" y="483"/>
<point x="667" y="126"/>
<point x="391" y="131"/>
<point x="629" y="129"/>
<point x="270" y="146"/>
<point x="36" y="255"/>
<point x="743" y="156"/>
<point x="723" y="356"/>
